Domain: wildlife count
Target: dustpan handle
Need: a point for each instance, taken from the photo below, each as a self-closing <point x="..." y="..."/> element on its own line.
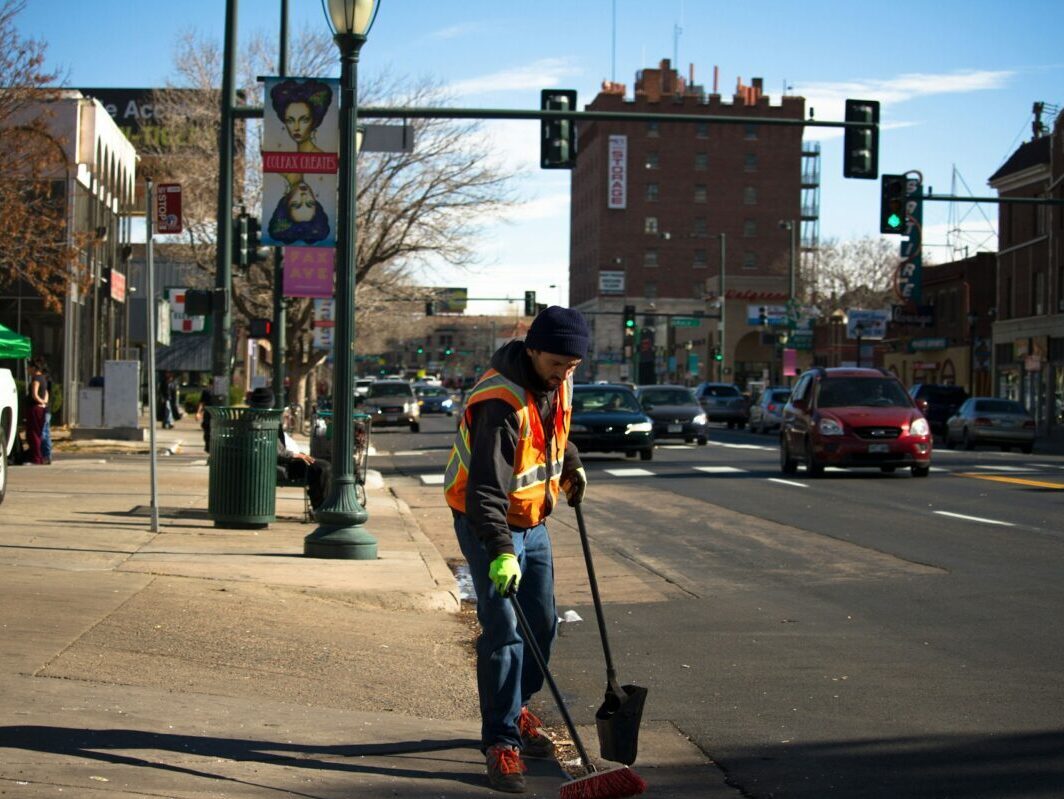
<point x="533" y="647"/>
<point x="611" y="673"/>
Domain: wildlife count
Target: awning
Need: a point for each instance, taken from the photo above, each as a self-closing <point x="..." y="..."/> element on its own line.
<point x="13" y="345"/>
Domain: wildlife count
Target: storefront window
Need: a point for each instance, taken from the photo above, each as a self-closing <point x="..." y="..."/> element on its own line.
<point x="1009" y="384"/>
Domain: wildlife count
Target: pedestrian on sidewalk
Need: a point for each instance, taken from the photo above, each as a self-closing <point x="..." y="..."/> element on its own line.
<point x="167" y="401"/>
<point x="292" y="462"/>
<point x="511" y="456"/>
<point x="37" y="399"/>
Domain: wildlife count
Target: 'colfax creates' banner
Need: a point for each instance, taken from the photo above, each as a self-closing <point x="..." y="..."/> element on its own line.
<point x="300" y="142"/>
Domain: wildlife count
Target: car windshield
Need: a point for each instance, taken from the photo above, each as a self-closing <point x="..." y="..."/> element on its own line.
<point x="668" y="396"/>
<point x="999" y="406"/>
<point x="720" y="391"/>
<point x="431" y="391"/>
<point x="839" y="392"/>
<point x="779" y="396"/>
<point x="397" y="390"/>
<point x="605" y="400"/>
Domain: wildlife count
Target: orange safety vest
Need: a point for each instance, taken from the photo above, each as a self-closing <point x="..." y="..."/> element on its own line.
<point x="537" y="473"/>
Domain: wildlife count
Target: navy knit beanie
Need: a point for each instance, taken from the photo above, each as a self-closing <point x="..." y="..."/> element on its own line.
<point x="559" y="331"/>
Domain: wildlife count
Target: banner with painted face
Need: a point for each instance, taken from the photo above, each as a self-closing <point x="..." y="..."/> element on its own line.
<point x="300" y="146"/>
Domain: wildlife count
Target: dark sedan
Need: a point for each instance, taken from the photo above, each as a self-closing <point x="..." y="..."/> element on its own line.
<point x="675" y="412"/>
<point x="435" y="399"/>
<point x="608" y="418"/>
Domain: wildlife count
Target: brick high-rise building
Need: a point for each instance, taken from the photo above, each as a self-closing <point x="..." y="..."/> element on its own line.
<point x="649" y="202"/>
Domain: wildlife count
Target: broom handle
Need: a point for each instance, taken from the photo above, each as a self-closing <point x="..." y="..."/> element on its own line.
<point x="611" y="673"/>
<point x="530" y="641"/>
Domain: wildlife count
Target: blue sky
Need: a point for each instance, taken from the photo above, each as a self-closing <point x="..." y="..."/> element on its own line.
<point x="956" y="79"/>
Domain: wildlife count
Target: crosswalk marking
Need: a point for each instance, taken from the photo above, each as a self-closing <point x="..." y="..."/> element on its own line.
<point x="781" y="481"/>
<point x="720" y="470"/>
<point x="630" y="472"/>
<point x="432" y="479"/>
<point x="740" y="446"/>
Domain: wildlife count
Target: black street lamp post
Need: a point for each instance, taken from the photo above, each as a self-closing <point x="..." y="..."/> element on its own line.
<point x="340" y="532"/>
<point x="972" y="319"/>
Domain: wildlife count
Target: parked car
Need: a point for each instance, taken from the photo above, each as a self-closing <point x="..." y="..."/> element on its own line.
<point x="609" y="419"/>
<point x="675" y="412"/>
<point x="392" y="402"/>
<point x="362" y="385"/>
<point x="988" y="420"/>
<point x="942" y="402"/>
<point x="435" y="399"/>
<point x="767" y="412"/>
<point x="8" y="424"/>
<point x="723" y="402"/>
<point x="853" y="417"/>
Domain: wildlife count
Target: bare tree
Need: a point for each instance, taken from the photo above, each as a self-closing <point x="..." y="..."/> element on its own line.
<point x="412" y="208"/>
<point x="859" y="273"/>
<point x="34" y="246"/>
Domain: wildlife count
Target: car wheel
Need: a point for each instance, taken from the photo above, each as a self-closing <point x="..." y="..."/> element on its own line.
<point x="415" y="427"/>
<point x="1027" y="449"/>
<point x="702" y="441"/>
<point x="3" y="462"/>
<point x="969" y="441"/>
<point x="887" y="469"/>
<point x="646" y="454"/>
<point x="921" y="471"/>
<point x="788" y="465"/>
<point x="688" y="440"/>
<point x="812" y="466"/>
<point x="731" y="425"/>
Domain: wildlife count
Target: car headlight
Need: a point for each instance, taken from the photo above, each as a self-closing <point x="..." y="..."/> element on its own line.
<point x="420" y="403"/>
<point x="700" y="419"/>
<point x="639" y="427"/>
<point x="447" y="403"/>
<point x="919" y="427"/>
<point x="577" y="428"/>
<point x="829" y="427"/>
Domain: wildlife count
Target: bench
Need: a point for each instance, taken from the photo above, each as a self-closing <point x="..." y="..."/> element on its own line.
<point x="297" y="482"/>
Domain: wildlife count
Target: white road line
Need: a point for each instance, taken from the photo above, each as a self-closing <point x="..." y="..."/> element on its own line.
<point x="938" y="469"/>
<point x="741" y="446"/>
<point x="629" y="472"/>
<point x="432" y="479"/>
<point x="787" y="482"/>
<point x="674" y="446"/>
<point x="973" y="518"/>
<point x="991" y="468"/>
<point x="720" y="470"/>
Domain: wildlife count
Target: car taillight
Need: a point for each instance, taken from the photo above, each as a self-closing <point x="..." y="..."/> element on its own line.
<point x="772" y="407"/>
<point x="982" y="421"/>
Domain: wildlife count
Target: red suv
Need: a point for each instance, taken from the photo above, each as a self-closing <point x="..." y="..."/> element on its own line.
<point x="853" y="417"/>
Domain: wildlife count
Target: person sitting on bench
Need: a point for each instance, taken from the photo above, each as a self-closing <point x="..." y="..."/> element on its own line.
<point x="292" y="462"/>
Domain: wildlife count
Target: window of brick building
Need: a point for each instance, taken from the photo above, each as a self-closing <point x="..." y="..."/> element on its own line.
<point x="700" y="261"/>
<point x="749" y="228"/>
<point x="749" y="260"/>
<point x="701" y="194"/>
<point x="702" y="130"/>
<point x="653" y="161"/>
<point x="749" y="196"/>
<point x="650" y="224"/>
<point x="650" y="291"/>
<point x="650" y="258"/>
<point x="701" y="162"/>
<point x="750" y="162"/>
<point x="698" y="226"/>
<point x="698" y="290"/>
<point x="652" y="192"/>
<point x="653" y="129"/>
<point x="751" y="130"/>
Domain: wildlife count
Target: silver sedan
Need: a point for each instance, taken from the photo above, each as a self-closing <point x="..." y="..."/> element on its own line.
<point x="988" y="420"/>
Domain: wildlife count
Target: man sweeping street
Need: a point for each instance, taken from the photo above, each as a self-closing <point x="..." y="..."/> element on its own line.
<point x="510" y="459"/>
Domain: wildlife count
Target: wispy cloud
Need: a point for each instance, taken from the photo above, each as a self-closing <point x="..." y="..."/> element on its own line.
<point x="828" y="98"/>
<point x="544" y="72"/>
<point x="553" y="205"/>
<point x="457" y="31"/>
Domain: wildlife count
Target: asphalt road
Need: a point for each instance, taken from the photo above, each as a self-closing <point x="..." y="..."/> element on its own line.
<point x="860" y="634"/>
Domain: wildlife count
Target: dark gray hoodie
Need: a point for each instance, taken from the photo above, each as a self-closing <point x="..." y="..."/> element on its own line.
<point x="493" y="434"/>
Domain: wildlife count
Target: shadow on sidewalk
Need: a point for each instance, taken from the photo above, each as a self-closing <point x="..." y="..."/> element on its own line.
<point x="91" y="744"/>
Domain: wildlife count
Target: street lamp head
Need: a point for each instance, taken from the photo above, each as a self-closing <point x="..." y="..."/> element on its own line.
<point x="350" y="17"/>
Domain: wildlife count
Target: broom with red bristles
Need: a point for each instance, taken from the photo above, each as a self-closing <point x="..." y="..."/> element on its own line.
<point x="616" y="783"/>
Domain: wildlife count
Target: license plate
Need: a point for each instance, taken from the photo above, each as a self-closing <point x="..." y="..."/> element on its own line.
<point x="879" y="447"/>
<point x="675" y="428"/>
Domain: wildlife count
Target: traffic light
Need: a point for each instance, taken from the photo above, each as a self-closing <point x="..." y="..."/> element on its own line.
<point x="260" y="328"/>
<point x="198" y="302"/>
<point x="762" y="316"/>
<point x="860" y="156"/>
<point x="717" y="354"/>
<point x="256" y="252"/>
<point x="530" y="303"/>
<point x="241" y="248"/>
<point x="420" y="350"/>
<point x="629" y="318"/>
<point x="892" y="204"/>
<point x="558" y="136"/>
<point x="430" y="308"/>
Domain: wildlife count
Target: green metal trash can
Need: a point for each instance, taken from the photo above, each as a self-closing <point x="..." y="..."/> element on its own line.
<point x="242" y="485"/>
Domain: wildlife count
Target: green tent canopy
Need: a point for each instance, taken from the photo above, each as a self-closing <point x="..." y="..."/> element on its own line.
<point x="12" y="345"/>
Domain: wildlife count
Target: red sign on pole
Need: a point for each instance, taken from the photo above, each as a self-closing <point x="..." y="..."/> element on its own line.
<point x="168" y="208"/>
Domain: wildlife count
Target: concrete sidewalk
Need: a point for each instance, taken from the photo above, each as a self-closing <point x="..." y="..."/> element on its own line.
<point x="205" y="662"/>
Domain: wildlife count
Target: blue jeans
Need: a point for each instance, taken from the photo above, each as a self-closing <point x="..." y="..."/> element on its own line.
<point x="506" y="679"/>
<point x="46" y="436"/>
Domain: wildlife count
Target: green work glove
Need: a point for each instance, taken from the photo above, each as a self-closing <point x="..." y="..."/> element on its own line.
<point x="575" y="484"/>
<point x="505" y="573"/>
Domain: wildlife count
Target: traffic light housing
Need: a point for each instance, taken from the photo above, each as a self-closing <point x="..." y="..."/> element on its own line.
<point x="629" y="318"/>
<point x="530" y="303"/>
<point x="557" y="136"/>
<point x="860" y="157"/>
<point x="241" y="244"/>
<point x="762" y="316"/>
<point x="260" y="328"/>
<point x="892" y="204"/>
<point x="256" y="252"/>
<point x="717" y="354"/>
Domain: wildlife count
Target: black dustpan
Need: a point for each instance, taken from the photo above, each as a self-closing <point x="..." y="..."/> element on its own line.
<point x="621" y="711"/>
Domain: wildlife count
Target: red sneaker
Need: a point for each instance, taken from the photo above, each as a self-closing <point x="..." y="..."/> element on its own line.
<point x="505" y="769"/>
<point x="533" y="742"/>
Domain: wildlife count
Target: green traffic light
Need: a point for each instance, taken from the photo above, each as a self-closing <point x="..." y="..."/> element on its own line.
<point x="894" y="221"/>
<point x="629" y="323"/>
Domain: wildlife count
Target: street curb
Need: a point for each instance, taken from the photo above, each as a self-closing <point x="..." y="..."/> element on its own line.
<point x="439" y="571"/>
